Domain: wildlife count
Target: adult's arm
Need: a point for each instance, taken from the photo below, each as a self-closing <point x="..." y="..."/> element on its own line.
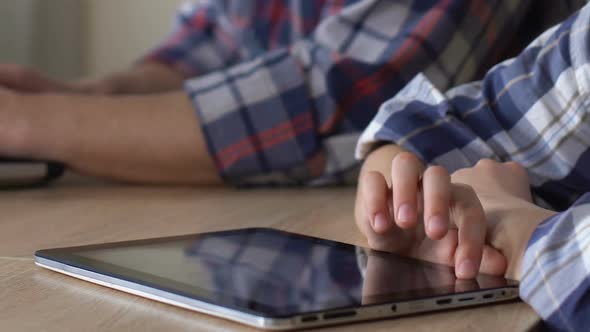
<point x="151" y="138"/>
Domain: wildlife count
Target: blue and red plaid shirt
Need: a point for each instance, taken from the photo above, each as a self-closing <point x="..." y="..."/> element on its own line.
<point x="283" y="89"/>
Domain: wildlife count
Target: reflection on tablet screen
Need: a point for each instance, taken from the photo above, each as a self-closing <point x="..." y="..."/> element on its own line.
<point x="286" y="274"/>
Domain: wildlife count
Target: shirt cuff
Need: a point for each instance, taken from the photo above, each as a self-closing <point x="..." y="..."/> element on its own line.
<point x="555" y="268"/>
<point x="257" y="121"/>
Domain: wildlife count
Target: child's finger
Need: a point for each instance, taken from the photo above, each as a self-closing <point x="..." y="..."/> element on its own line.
<point x="493" y="262"/>
<point x="437" y="199"/>
<point x="375" y="193"/>
<point x="405" y="174"/>
<point x="470" y="220"/>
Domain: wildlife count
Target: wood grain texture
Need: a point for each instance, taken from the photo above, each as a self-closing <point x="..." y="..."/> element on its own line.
<point x="78" y="211"/>
<point x="83" y="213"/>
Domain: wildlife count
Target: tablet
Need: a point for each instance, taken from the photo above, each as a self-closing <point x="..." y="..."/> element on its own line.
<point x="275" y="280"/>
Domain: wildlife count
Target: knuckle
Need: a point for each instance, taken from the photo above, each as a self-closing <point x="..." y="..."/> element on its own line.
<point x="374" y="205"/>
<point x="436" y="171"/>
<point x="371" y="180"/>
<point x="471" y="249"/>
<point x="405" y="158"/>
<point x="486" y="162"/>
<point x="437" y="200"/>
<point x="436" y="211"/>
<point x="463" y="173"/>
<point x="460" y="173"/>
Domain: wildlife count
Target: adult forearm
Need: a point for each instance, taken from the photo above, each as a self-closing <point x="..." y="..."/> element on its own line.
<point x="146" y="139"/>
<point x="149" y="77"/>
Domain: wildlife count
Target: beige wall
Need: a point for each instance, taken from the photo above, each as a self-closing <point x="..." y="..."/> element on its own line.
<point x="16" y="31"/>
<point x="118" y="31"/>
<point x="43" y="34"/>
<point x="71" y="38"/>
<point x="59" y="38"/>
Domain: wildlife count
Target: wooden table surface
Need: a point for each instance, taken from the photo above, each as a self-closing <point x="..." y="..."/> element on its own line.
<point x="78" y="211"/>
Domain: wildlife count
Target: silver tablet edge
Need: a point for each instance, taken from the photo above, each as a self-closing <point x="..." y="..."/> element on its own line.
<point x="390" y="310"/>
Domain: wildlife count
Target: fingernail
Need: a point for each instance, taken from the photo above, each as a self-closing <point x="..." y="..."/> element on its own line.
<point x="466" y="269"/>
<point x="379" y="223"/>
<point x="405" y="213"/>
<point x="436" y="225"/>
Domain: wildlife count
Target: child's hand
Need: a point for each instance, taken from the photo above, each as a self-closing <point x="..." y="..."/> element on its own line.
<point x="504" y="191"/>
<point x="453" y="230"/>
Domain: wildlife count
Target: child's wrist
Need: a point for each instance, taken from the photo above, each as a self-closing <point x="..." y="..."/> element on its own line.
<point x="531" y="218"/>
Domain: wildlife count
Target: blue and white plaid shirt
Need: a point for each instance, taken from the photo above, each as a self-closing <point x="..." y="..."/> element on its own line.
<point x="532" y="109"/>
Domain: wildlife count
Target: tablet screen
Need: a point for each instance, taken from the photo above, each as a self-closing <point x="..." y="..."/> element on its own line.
<point x="274" y="273"/>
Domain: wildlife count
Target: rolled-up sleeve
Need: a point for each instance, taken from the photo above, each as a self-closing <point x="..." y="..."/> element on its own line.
<point x="531" y="109"/>
<point x="555" y="269"/>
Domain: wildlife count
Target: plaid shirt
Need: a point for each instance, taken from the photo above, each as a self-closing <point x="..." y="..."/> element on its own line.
<point x="534" y="110"/>
<point x="279" y="273"/>
<point x="283" y="89"/>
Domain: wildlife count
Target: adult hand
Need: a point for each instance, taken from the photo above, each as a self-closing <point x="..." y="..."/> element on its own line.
<point x="453" y="230"/>
<point x="24" y="79"/>
<point x="152" y="138"/>
<point x="144" y="78"/>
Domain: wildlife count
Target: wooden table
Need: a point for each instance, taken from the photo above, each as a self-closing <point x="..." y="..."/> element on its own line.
<point x="78" y="211"/>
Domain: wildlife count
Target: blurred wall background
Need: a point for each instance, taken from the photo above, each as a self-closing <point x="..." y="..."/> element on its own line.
<point x="73" y="38"/>
<point x="118" y="31"/>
